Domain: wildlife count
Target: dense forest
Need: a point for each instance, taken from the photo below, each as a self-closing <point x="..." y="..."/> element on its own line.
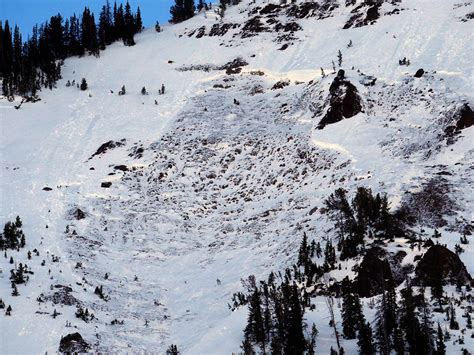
<point x="28" y="65"/>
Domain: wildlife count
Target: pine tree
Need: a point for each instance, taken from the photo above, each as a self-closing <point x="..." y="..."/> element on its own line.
<point x="119" y="23"/>
<point x="303" y="253"/>
<point x="365" y="340"/>
<point x="398" y="342"/>
<point x="172" y="350"/>
<point x="189" y="9"/>
<point x="129" y="26"/>
<point x="255" y="326"/>
<point x="352" y="315"/>
<point x="339" y="58"/>
<point x="105" y="34"/>
<point x="425" y="323"/>
<point x="177" y="11"/>
<point x="89" y="32"/>
<point x="182" y="10"/>
<point x="295" y="339"/>
<point x="200" y="5"/>
<point x="138" y="21"/>
<point x="453" y="324"/>
<point x="440" y="346"/>
<point x="247" y="346"/>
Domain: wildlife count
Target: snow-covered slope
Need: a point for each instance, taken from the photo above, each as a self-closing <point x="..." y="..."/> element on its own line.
<point x="223" y="172"/>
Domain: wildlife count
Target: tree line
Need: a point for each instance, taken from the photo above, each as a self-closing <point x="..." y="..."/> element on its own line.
<point x="27" y="66"/>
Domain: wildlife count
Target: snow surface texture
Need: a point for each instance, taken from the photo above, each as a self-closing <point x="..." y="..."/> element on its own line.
<point x="218" y="189"/>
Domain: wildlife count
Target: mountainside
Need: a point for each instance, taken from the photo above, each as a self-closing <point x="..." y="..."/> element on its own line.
<point x="166" y="201"/>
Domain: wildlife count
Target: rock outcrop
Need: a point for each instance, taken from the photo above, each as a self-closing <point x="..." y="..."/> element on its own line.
<point x="73" y="343"/>
<point x="441" y="263"/>
<point x="344" y="101"/>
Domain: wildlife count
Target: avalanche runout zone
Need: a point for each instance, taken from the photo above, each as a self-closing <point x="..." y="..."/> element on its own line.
<point x="219" y="186"/>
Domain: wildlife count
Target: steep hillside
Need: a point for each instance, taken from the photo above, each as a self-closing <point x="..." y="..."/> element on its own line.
<point x="168" y="201"/>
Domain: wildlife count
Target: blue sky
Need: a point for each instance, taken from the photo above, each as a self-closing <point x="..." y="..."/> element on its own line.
<point x="26" y="13"/>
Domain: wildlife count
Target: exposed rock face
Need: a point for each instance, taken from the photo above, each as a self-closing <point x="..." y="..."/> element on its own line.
<point x="344" y="101"/>
<point x="73" y="343"/>
<point x="79" y="214"/>
<point x="108" y="146"/>
<point x="61" y="296"/>
<point x="419" y="73"/>
<point x="372" y="14"/>
<point x="440" y="262"/>
<point x="465" y="117"/>
<point x="373" y="273"/>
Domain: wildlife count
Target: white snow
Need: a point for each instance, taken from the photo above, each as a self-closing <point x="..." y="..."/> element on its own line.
<point x="178" y="240"/>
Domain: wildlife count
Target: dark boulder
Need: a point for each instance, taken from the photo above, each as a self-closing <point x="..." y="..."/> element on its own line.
<point x="106" y="184"/>
<point x="78" y="214"/>
<point x="47" y="188"/>
<point x="372" y="14"/>
<point x="441" y="263"/>
<point x="344" y="101"/>
<point x="73" y="343"/>
<point x="234" y="67"/>
<point x="270" y="8"/>
<point x="465" y="117"/>
<point x="373" y="274"/>
<point x="419" y="73"/>
<point x="108" y="146"/>
<point x="121" y="167"/>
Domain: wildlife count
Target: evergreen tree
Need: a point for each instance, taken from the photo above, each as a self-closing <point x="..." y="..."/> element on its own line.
<point x="295" y="338"/>
<point x="303" y="253"/>
<point x="105" y="31"/>
<point x="89" y="32"/>
<point x="426" y="322"/>
<point x="255" y="328"/>
<point x="200" y="5"/>
<point x="182" y="10"/>
<point x="172" y="350"/>
<point x="189" y="9"/>
<point x="138" y="21"/>
<point x="129" y="26"/>
<point x="352" y="315"/>
<point x="119" y="22"/>
<point x="247" y="346"/>
<point x="365" y="340"/>
<point x="440" y="346"/>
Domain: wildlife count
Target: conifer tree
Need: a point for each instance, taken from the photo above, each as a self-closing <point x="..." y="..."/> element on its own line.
<point x="255" y="328"/>
<point x="200" y="5"/>
<point x="182" y="10"/>
<point x="440" y="346"/>
<point x="138" y="21"/>
<point x="129" y="26"/>
<point x="365" y="340"/>
<point x="295" y="340"/>
<point x="352" y="315"/>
